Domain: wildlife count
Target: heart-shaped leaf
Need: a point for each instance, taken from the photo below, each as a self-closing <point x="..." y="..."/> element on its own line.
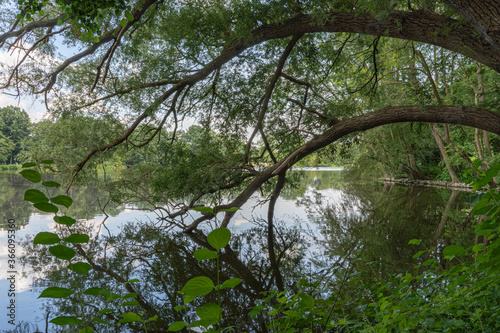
<point x="62" y="252"/>
<point x="77" y="238"/>
<point x="31" y="175"/>
<point x="204" y="254"/>
<point x="65" y="320"/>
<point x="46" y="207"/>
<point x="198" y="286"/>
<point x="51" y="183"/>
<point x="66" y="220"/>
<point x="219" y="238"/>
<point x="94" y="291"/>
<point x="129" y="317"/>
<point x="55" y="292"/>
<point x="176" y="326"/>
<point x="46" y="238"/>
<point x="63" y="200"/>
<point x="80" y="267"/>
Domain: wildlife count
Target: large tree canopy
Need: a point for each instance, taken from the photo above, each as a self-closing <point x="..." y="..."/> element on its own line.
<point x="268" y="83"/>
<point x="296" y="75"/>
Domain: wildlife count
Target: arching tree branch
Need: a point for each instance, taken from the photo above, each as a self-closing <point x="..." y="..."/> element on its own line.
<point x="459" y="115"/>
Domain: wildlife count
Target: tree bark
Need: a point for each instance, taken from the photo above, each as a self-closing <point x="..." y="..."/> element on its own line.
<point x="270" y="231"/>
<point x="484" y="15"/>
<point x="460" y="115"/>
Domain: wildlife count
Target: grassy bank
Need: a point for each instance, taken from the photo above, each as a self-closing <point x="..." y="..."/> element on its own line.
<point x="10" y="168"/>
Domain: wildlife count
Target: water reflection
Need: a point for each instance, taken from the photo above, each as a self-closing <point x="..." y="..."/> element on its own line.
<point x="344" y="221"/>
<point x="375" y="222"/>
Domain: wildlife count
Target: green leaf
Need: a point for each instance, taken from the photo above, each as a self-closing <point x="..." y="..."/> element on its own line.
<point x="198" y="286"/>
<point x="123" y="22"/>
<point x="62" y="252"/>
<point x="66" y="220"/>
<point x="80" y="267"/>
<point x="51" y="183"/>
<point x="203" y="209"/>
<point x="429" y="262"/>
<point x="103" y="311"/>
<point x="129" y="16"/>
<point x="77" y="238"/>
<point x="477" y="247"/>
<point x="176" y="326"/>
<point x="232" y="209"/>
<point x="209" y="313"/>
<point x="63" y="200"/>
<point x="453" y="250"/>
<point x="255" y="312"/>
<point x="130" y="295"/>
<point x="488" y="177"/>
<point x="101" y="321"/>
<point x="155" y="318"/>
<point x="55" y="292"/>
<point x="59" y="21"/>
<point x="204" y="323"/>
<point x="96" y="40"/>
<point x="231" y="283"/>
<point x="204" y="254"/>
<point x="129" y="303"/>
<point x="219" y="238"/>
<point x="31" y="175"/>
<point x="47" y="162"/>
<point x="307" y="301"/>
<point x="46" y="238"/>
<point x="414" y="241"/>
<point x="28" y="165"/>
<point x="94" y="291"/>
<point x="188" y="298"/>
<point x="129" y="317"/>
<point x="86" y="330"/>
<point x="418" y="254"/>
<point x="112" y="297"/>
<point x="484" y="232"/>
<point x="64" y="320"/>
<point x="179" y="307"/>
<point x="46" y="207"/>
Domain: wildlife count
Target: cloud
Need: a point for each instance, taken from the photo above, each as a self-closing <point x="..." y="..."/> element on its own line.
<point x="238" y="222"/>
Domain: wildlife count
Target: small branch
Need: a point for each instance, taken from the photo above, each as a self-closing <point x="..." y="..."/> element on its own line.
<point x="128" y="90"/>
<point x="321" y="115"/>
<point x="270" y="88"/>
<point x="28" y="52"/>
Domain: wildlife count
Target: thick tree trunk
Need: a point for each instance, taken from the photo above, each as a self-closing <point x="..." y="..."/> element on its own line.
<point x="270" y="232"/>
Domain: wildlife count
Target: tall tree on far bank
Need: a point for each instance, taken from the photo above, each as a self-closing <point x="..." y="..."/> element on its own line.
<point x="14" y="128"/>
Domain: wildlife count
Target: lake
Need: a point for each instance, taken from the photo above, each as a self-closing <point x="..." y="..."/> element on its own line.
<point x="323" y="222"/>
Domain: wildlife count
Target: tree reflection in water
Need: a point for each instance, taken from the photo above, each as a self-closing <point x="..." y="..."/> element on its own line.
<point x="375" y="222"/>
<point x="371" y="222"/>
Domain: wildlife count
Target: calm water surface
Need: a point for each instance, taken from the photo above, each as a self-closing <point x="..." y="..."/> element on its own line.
<point x="344" y="220"/>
